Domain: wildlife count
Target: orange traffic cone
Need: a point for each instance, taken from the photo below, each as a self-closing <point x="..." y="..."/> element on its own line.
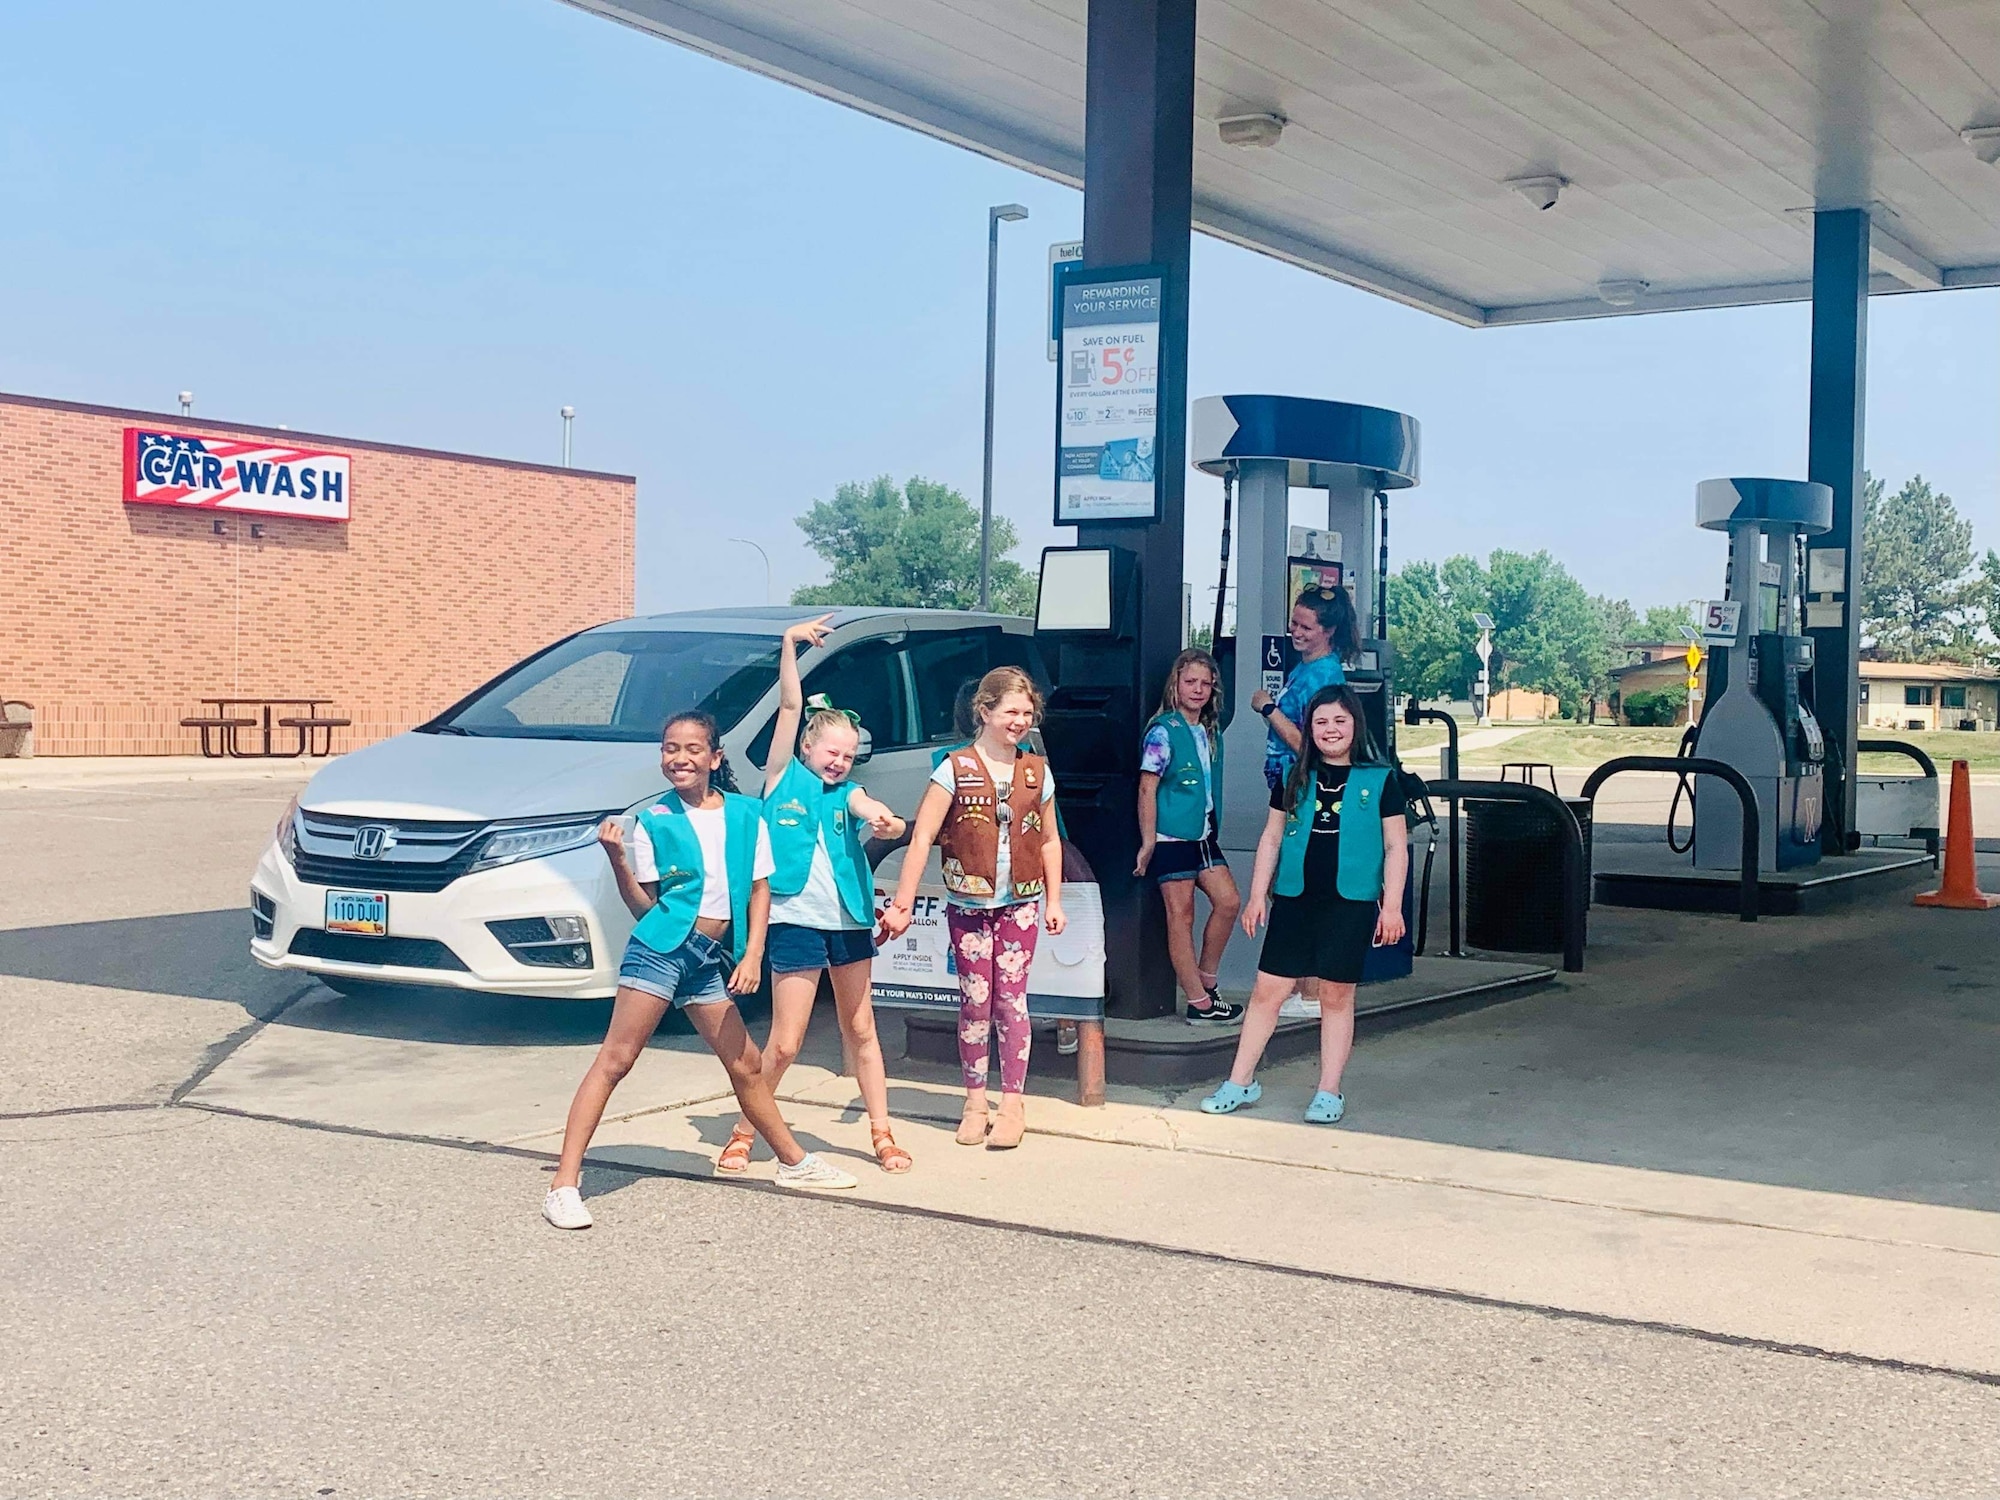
<point x="1960" y="889"/>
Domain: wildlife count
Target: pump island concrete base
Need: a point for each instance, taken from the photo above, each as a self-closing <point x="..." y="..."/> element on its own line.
<point x="1164" y="1050"/>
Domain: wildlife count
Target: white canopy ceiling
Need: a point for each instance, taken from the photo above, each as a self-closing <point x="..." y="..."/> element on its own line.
<point x="1693" y="137"/>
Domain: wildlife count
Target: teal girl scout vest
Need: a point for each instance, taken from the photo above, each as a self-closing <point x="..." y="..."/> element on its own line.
<point x="677" y="854"/>
<point x="800" y="811"/>
<point x="1186" y="791"/>
<point x="1360" y="871"/>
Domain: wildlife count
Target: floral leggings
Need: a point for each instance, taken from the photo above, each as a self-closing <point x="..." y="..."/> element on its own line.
<point x="993" y="948"/>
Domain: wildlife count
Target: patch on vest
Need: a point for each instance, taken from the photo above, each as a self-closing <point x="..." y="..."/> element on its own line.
<point x="960" y="883"/>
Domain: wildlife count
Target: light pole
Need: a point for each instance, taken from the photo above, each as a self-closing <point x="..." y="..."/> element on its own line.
<point x="745" y="541"/>
<point x="568" y="416"/>
<point x="1012" y="212"/>
<point x="1485" y="650"/>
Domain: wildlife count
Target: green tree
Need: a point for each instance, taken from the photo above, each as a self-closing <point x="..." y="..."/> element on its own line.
<point x="1547" y="632"/>
<point x="1662" y="622"/>
<point x="1432" y="632"/>
<point x="1916" y="601"/>
<point x="1617" y="623"/>
<point x="916" y="546"/>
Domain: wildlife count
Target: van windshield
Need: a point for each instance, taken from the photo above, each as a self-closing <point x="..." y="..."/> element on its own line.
<point x="619" y="686"/>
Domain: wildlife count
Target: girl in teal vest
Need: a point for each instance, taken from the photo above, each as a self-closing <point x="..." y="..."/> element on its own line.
<point x="823" y="895"/>
<point x="697" y="877"/>
<point x="1180" y="800"/>
<point x="1330" y="872"/>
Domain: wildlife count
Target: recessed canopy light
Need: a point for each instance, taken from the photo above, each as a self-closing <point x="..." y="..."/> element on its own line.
<point x="1984" y="141"/>
<point x="1621" y="293"/>
<point x="1542" y="191"/>
<point x="1250" y="130"/>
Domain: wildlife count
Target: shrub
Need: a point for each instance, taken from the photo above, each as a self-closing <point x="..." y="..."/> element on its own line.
<point x="1655" y="708"/>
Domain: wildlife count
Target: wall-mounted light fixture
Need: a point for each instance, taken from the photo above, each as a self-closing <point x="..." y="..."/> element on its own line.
<point x="256" y="531"/>
<point x="218" y="528"/>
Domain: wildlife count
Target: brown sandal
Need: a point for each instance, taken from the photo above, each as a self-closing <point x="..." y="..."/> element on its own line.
<point x="889" y="1156"/>
<point x="735" y="1156"/>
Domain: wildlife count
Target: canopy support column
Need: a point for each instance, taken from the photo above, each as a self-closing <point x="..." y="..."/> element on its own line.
<point x="1834" y="457"/>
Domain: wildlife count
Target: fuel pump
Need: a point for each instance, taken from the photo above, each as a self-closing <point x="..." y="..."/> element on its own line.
<point x="1264" y="448"/>
<point x="1759" y="717"/>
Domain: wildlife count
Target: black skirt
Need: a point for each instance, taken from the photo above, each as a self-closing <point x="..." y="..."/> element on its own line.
<point x="1318" y="937"/>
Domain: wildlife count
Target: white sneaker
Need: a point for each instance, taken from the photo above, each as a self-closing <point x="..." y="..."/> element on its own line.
<point x="1298" y="1008"/>
<point x="564" y="1208"/>
<point x="811" y="1174"/>
<point x="1067" y="1041"/>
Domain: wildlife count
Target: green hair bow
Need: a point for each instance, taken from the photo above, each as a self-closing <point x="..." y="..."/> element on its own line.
<point x="819" y="703"/>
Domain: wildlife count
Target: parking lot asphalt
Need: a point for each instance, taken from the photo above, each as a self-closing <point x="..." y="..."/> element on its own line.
<point x="207" y="1304"/>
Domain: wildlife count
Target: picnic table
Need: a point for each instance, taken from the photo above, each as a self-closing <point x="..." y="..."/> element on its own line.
<point x="222" y="724"/>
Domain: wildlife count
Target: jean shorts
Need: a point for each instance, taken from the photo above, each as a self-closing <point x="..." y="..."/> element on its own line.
<point x="696" y="973"/>
<point x="794" y="950"/>
<point x="1184" y="859"/>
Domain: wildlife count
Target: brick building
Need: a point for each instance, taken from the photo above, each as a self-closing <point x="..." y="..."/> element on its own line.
<point x="119" y="616"/>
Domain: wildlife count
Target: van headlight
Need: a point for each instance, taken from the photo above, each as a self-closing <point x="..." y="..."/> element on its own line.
<point x="509" y="846"/>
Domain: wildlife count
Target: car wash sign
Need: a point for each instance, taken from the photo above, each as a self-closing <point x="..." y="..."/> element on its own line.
<point x="234" y="474"/>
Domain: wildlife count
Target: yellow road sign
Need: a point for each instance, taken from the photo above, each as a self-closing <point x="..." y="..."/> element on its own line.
<point x="1693" y="657"/>
<point x="1694" y="683"/>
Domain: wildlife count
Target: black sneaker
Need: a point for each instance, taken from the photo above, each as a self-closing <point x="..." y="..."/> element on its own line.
<point x="1218" y="1012"/>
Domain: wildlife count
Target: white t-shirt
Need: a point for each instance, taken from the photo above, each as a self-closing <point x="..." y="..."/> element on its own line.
<point x="1003" y="862"/>
<point x="818" y="902"/>
<point x="710" y="829"/>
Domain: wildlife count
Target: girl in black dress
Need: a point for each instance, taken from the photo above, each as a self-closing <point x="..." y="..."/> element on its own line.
<point x="1329" y="876"/>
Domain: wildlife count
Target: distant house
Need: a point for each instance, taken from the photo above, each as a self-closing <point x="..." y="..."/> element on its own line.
<point x="1652" y="667"/>
<point x="1519" y="705"/>
<point x="1928" y="695"/>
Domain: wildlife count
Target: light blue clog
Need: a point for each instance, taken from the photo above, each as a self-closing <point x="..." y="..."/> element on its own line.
<point x="1326" y="1109"/>
<point x="1230" y="1097"/>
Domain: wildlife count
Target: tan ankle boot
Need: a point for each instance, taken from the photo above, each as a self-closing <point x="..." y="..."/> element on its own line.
<point x="1011" y="1126"/>
<point x="972" y="1126"/>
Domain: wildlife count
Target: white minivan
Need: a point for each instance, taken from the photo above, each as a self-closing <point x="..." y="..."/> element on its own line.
<point x="464" y="853"/>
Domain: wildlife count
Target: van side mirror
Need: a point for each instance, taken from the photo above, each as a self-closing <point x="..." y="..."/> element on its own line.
<point x="864" y="751"/>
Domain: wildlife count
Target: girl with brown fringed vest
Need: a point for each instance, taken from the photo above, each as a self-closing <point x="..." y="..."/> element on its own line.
<point x="990" y="808"/>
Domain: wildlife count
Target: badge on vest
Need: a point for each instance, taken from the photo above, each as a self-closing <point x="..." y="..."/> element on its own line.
<point x="796" y="811"/>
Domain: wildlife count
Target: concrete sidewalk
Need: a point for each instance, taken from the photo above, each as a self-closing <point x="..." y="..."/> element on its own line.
<point x="49" y="772"/>
<point x="1858" y="1272"/>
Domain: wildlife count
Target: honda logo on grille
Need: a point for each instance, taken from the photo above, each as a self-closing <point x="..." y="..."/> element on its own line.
<point x="373" y="840"/>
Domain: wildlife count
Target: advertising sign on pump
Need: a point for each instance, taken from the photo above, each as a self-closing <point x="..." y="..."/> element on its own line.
<point x="1108" y="423"/>
<point x="244" y="475"/>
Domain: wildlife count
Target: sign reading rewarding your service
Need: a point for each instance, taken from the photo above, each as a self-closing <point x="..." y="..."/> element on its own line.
<point x="1108" y="382"/>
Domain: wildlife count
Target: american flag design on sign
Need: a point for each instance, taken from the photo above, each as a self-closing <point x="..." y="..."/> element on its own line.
<point x="234" y="474"/>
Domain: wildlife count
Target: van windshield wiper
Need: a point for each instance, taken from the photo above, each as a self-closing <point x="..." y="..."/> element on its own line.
<point x="448" y="729"/>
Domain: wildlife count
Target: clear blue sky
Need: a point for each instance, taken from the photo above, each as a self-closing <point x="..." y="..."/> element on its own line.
<point x="436" y="221"/>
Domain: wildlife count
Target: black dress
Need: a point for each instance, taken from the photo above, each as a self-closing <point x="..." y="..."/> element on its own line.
<point x="1320" y="934"/>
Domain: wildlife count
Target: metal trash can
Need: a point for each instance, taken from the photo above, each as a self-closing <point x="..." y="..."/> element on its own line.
<point x="1514" y="874"/>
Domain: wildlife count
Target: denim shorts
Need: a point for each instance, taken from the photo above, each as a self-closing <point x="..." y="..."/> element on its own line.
<point x="794" y="950"/>
<point x="1184" y="859"/>
<point x="696" y="973"/>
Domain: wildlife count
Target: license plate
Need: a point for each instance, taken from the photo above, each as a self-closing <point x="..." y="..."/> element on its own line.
<point x="364" y="913"/>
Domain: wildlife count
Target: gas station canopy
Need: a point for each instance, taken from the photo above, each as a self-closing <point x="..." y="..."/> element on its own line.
<point x="1491" y="161"/>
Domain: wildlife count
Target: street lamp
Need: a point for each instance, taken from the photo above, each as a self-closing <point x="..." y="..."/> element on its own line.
<point x="745" y="541"/>
<point x="1485" y="650"/>
<point x="1013" y="213"/>
<point x="568" y="416"/>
